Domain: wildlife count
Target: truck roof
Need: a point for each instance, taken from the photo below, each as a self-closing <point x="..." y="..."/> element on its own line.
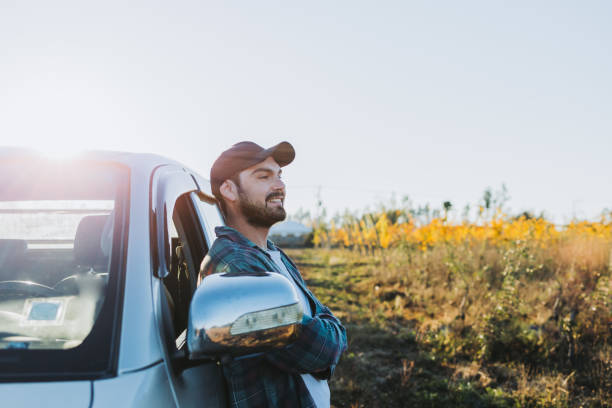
<point x="132" y="160"/>
<point x="142" y="162"/>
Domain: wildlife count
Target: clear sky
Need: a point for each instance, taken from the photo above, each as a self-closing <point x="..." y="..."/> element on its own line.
<point x="435" y="100"/>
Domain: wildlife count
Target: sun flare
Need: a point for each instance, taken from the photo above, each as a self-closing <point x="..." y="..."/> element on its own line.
<point x="58" y="148"/>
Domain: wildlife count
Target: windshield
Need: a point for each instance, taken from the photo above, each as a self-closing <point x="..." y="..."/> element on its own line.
<point x="58" y="224"/>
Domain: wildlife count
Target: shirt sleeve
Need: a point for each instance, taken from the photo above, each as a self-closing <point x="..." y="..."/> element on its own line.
<point x="317" y="350"/>
<point x="227" y="260"/>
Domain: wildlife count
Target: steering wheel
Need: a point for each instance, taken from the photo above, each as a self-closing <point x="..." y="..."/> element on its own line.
<point x="70" y="284"/>
<point x="26" y="288"/>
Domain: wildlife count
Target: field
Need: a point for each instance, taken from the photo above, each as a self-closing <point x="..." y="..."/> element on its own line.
<point x="500" y="312"/>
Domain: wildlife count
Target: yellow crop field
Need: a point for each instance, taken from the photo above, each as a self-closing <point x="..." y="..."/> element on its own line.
<point x="378" y="232"/>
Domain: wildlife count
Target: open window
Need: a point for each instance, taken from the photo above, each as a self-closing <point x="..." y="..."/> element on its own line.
<point x="178" y="246"/>
<point x="191" y="234"/>
<point x="209" y="214"/>
<point x="187" y="251"/>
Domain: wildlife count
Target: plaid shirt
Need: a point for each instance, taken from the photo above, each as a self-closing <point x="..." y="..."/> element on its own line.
<point x="273" y="379"/>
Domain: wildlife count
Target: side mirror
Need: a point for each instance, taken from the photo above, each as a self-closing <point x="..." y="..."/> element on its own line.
<point x="240" y="314"/>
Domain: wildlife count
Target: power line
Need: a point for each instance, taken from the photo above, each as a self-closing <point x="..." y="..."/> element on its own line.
<point x="347" y="188"/>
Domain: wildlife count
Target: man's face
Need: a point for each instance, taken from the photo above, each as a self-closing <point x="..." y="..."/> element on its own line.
<point x="261" y="194"/>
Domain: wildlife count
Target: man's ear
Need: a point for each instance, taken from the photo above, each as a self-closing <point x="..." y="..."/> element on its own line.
<point x="229" y="190"/>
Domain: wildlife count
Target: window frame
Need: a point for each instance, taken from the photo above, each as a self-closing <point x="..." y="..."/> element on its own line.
<point x="170" y="190"/>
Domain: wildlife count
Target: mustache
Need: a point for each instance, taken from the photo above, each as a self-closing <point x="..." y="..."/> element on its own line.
<point x="272" y="196"/>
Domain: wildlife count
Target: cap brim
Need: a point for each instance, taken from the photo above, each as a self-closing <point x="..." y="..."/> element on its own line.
<point x="283" y="153"/>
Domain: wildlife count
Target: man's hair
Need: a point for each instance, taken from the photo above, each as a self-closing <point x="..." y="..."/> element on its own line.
<point x="222" y="204"/>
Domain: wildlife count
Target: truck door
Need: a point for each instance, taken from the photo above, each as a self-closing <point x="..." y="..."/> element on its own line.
<point x="179" y="243"/>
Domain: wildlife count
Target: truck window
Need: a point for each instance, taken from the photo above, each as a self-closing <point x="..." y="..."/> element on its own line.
<point x="210" y="217"/>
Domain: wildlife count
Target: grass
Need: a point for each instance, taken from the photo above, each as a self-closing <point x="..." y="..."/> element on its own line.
<point x="513" y="325"/>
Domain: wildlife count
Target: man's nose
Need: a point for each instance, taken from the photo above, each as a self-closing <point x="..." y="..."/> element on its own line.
<point x="279" y="184"/>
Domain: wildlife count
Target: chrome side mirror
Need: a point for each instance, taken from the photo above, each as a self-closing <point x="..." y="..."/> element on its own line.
<point x="240" y="314"/>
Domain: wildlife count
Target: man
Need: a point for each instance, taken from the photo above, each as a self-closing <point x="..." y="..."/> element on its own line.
<point x="246" y="180"/>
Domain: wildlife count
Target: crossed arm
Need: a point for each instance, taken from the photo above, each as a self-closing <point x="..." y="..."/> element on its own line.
<point x="317" y="349"/>
<point x="320" y="342"/>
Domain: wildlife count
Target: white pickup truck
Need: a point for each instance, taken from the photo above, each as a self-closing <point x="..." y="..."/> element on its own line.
<point x="99" y="304"/>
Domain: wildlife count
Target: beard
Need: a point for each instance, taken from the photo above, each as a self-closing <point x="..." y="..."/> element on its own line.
<point x="260" y="215"/>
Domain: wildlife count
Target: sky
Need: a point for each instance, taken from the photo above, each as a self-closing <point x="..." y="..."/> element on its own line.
<point x="436" y="101"/>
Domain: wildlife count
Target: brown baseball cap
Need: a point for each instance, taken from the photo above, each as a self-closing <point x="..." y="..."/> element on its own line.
<point x="244" y="155"/>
